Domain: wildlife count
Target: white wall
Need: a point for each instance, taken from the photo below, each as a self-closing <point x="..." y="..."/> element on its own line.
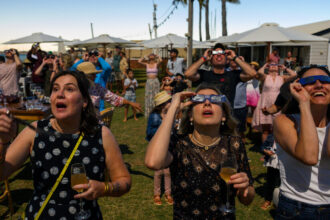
<point x="319" y="53"/>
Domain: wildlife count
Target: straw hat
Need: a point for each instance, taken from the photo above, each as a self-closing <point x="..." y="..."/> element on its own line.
<point x="161" y="98"/>
<point x="88" y="68"/>
<point x="255" y="63"/>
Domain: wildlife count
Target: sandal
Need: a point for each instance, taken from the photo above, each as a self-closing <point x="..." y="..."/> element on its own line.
<point x="266" y="205"/>
<point x="169" y="199"/>
<point x="157" y="200"/>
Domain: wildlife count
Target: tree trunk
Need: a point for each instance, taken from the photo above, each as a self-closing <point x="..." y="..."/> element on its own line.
<point x="190" y="33"/>
<point x="207" y="24"/>
<point x="200" y="22"/>
<point x="224" y="17"/>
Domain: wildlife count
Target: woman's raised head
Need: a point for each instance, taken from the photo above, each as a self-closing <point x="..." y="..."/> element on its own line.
<point x="70" y="98"/>
<point x="209" y="108"/>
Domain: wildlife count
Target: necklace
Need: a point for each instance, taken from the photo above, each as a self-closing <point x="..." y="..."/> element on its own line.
<point x="67" y="131"/>
<point x="204" y="146"/>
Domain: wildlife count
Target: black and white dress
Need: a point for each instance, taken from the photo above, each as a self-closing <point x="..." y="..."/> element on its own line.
<point x="48" y="157"/>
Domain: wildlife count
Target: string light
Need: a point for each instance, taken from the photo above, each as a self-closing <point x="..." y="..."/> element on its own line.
<point x="175" y="6"/>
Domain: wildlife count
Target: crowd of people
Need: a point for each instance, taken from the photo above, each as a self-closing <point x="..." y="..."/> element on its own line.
<point x="196" y="138"/>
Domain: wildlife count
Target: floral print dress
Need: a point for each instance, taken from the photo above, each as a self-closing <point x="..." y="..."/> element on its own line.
<point x="199" y="193"/>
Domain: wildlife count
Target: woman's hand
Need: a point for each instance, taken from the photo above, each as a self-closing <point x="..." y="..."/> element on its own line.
<point x="241" y="182"/>
<point x="93" y="190"/>
<point x="7" y="127"/>
<point x="299" y="92"/>
<point x="179" y="97"/>
<point x="136" y="106"/>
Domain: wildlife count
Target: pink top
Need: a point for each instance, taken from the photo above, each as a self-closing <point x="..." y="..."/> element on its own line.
<point x="152" y="71"/>
<point x="97" y="92"/>
<point x="9" y="77"/>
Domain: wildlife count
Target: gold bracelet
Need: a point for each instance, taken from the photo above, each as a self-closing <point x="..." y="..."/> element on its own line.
<point x="106" y="188"/>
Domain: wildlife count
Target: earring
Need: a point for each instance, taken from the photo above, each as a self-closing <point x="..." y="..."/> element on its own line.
<point x="222" y="123"/>
<point x="191" y="122"/>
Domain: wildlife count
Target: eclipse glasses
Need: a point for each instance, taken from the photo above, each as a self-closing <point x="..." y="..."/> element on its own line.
<point x="312" y="79"/>
<point x="215" y="99"/>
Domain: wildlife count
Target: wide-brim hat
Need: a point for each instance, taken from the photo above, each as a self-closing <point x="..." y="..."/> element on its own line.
<point x="161" y="98"/>
<point x="88" y="68"/>
<point x="255" y="63"/>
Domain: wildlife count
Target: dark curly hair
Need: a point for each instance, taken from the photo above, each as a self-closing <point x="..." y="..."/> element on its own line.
<point x="229" y="127"/>
<point x="292" y="106"/>
<point x="89" y="123"/>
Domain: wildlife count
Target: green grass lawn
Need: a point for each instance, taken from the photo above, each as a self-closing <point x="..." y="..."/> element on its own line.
<point x="138" y="203"/>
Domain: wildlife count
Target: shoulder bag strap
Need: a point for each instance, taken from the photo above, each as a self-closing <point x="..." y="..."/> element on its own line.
<point x="59" y="178"/>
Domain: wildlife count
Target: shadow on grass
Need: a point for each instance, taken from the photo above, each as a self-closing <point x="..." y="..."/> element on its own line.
<point x="135" y="172"/>
<point x="124" y="148"/>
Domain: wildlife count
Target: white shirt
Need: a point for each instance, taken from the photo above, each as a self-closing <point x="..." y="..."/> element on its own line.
<point x="175" y="66"/>
<point x="130" y="89"/>
<point x="308" y="184"/>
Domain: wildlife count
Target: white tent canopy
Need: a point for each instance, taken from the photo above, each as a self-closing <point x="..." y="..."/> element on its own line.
<point x="35" y="37"/>
<point x="104" y="40"/>
<point x="171" y="40"/>
<point x="270" y="32"/>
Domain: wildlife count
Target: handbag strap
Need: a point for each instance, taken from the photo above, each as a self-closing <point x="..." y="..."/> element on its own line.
<point x="59" y="178"/>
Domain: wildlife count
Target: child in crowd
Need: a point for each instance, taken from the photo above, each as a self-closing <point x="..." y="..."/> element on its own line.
<point x="130" y="85"/>
<point x="162" y="103"/>
<point x="166" y="85"/>
<point x="179" y="83"/>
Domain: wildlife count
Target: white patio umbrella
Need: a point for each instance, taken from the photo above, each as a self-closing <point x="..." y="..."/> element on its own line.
<point x="269" y="33"/>
<point x="171" y="40"/>
<point x="35" y="38"/>
<point x="104" y="40"/>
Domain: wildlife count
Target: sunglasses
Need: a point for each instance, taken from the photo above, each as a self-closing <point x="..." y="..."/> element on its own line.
<point x="312" y="79"/>
<point x="273" y="64"/>
<point x="93" y="52"/>
<point x="7" y="51"/>
<point x="215" y="99"/>
<point x="218" y="52"/>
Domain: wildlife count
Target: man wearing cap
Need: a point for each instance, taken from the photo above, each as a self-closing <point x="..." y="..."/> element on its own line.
<point x="101" y="78"/>
<point x="226" y="80"/>
<point x="175" y="63"/>
<point x="9" y="73"/>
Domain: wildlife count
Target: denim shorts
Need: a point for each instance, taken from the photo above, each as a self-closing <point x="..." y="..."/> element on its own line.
<point x="130" y="97"/>
<point x="292" y="209"/>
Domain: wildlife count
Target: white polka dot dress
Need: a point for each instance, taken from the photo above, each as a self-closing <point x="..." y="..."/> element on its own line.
<point x="48" y="158"/>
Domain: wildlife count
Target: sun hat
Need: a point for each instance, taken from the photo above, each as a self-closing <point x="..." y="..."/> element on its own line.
<point x="161" y="98"/>
<point x="88" y="68"/>
<point x="255" y="63"/>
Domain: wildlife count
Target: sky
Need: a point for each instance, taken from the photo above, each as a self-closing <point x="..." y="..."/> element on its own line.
<point x="129" y="19"/>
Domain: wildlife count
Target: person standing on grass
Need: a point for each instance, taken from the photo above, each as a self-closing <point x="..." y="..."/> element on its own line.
<point x="302" y="135"/>
<point x="152" y="63"/>
<point x="10" y="73"/>
<point x="96" y="57"/>
<point x="130" y="85"/>
<point x="226" y="81"/>
<point x="116" y="70"/>
<point x="162" y="103"/>
<point x="123" y="66"/>
<point x="98" y="92"/>
<point x="195" y="154"/>
<point x="174" y="64"/>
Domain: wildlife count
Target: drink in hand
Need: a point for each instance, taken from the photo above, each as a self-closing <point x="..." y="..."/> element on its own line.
<point x="79" y="178"/>
<point x="226" y="172"/>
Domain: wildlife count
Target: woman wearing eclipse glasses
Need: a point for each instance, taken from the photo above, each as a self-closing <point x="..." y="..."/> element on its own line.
<point x="196" y="156"/>
<point x="303" y="151"/>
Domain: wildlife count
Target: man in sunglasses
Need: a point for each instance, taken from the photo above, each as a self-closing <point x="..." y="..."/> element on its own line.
<point x="10" y="73"/>
<point x="175" y="63"/>
<point x="226" y="80"/>
<point x="95" y="57"/>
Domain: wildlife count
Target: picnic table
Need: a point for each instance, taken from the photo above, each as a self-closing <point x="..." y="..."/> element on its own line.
<point x="19" y="111"/>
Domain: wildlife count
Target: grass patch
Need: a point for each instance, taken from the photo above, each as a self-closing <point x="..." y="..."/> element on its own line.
<point x="138" y="203"/>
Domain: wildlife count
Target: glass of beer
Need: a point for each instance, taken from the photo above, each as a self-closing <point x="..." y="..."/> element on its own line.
<point x="78" y="176"/>
<point x="228" y="168"/>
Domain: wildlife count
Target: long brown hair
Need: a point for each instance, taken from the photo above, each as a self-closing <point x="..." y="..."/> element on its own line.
<point x="229" y="127"/>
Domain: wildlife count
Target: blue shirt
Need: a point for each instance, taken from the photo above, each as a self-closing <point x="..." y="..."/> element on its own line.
<point x="101" y="78"/>
<point x="154" y="122"/>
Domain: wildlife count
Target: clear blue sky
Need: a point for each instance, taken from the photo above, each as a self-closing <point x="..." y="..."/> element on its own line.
<point x="129" y="19"/>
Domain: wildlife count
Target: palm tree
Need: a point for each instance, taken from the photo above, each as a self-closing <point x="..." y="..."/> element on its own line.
<point x="224" y="14"/>
<point x="207" y="24"/>
<point x="201" y="4"/>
